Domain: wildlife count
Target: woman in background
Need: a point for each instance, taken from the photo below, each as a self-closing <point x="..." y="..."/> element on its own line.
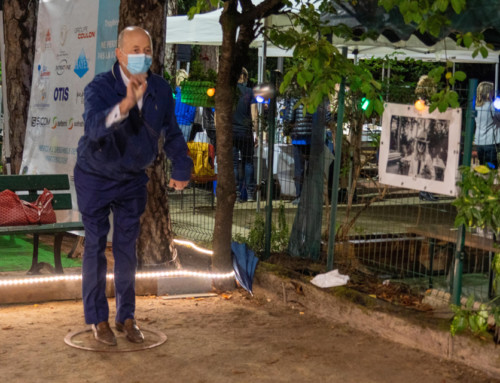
<point x="184" y="113"/>
<point x="487" y="135"/>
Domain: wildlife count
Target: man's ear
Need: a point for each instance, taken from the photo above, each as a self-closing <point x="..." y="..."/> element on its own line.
<point x="120" y="56"/>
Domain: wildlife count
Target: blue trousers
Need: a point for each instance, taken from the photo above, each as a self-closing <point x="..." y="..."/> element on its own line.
<point x="243" y="144"/>
<point x="97" y="196"/>
<point x="301" y="155"/>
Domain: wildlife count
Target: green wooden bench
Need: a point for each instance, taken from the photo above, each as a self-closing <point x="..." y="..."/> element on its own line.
<point x="34" y="185"/>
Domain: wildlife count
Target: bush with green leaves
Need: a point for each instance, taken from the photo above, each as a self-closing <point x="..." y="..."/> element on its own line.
<point x="478" y="207"/>
<point x="256" y="238"/>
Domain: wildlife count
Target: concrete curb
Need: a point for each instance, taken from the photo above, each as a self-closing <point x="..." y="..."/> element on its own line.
<point x="472" y="352"/>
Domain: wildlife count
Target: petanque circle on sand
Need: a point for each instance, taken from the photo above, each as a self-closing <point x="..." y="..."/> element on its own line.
<point x="84" y="340"/>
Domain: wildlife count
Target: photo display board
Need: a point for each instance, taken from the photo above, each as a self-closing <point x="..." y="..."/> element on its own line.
<point x="420" y="150"/>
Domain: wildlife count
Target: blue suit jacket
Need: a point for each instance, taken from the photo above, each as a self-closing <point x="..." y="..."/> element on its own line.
<point x="124" y="150"/>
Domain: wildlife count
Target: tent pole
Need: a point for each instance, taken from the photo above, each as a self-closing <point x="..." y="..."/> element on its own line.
<point x="260" y="135"/>
<point x="496" y="79"/>
<point x="458" y="261"/>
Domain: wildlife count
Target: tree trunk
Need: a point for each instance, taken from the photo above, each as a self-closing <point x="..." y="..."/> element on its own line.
<point x="154" y="245"/>
<point x="20" y="21"/>
<point x="226" y="191"/>
<point x="234" y="54"/>
<point x="170" y="55"/>
<point x="209" y="56"/>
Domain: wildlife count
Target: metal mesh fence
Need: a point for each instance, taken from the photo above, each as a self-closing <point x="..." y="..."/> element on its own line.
<point x="399" y="234"/>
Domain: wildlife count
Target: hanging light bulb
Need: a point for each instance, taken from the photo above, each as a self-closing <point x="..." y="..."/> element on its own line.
<point x="420" y="105"/>
<point x="210" y="92"/>
<point x="496" y="103"/>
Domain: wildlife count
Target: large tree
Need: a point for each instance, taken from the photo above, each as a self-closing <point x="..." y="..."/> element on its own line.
<point x="20" y="21"/>
<point x="154" y="246"/>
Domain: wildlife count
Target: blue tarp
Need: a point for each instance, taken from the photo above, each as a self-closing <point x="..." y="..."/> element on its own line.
<point x="244" y="264"/>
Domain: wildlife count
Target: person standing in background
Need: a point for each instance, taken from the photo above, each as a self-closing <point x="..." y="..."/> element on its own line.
<point x="300" y="127"/>
<point x="184" y="113"/>
<point x="245" y="118"/>
<point x="487" y="134"/>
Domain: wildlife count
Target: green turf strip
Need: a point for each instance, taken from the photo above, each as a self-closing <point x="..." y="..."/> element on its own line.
<point x="16" y="253"/>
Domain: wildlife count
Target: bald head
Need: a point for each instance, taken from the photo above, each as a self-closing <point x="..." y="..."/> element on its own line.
<point x="131" y="32"/>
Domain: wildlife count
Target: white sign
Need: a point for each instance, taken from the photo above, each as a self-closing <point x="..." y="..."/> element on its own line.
<point x="68" y="49"/>
<point x="420" y="150"/>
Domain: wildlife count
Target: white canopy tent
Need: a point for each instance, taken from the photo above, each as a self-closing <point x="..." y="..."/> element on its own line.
<point x="204" y="29"/>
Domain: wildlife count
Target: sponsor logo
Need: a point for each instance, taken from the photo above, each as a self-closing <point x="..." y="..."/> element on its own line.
<point x="48" y="39"/>
<point x="79" y="97"/>
<point x="111" y="23"/>
<point x="43" y="72"/>
<point x="81" y="65"/>
<point x="58" y="124"/>
<point x="78" y="124"/>
<point x="40" y="121"/>
<point x="70" y="123"/>
<point x="61" y="94"/>
<point x="84" y="33"/>
<point x="62" y="54"/>
<point x="62" y="67"/>
<point x="63" y="34"/>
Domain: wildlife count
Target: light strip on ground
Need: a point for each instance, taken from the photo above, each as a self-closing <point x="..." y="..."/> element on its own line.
<point x="191" y="244"/>
<point x="139" y="275"/>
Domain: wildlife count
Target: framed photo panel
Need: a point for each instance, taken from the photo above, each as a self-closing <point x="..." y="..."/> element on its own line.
<point x="420" y="150"/>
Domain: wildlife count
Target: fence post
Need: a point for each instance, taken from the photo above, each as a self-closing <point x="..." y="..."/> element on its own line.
<point x="336" y="169"/>
<point x="459" y="253"/>
<point x="271" y="123"/>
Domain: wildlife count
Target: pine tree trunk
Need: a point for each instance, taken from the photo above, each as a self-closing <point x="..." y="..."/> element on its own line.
<point x="20" y="21"/>
<point x="154" y="245"/>
<point x="170" y="55"/>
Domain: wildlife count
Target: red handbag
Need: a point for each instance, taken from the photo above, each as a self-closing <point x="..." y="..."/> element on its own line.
<point x="16" y="212"/>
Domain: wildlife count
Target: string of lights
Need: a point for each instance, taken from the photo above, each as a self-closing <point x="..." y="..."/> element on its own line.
<point x="139" y="275"/>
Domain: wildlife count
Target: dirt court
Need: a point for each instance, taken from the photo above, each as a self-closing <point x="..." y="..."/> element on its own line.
<point x="227" y="338"/>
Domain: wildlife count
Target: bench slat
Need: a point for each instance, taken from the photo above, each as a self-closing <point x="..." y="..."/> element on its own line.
<point x="34" y="182"/>
<point x="59" y="227"/>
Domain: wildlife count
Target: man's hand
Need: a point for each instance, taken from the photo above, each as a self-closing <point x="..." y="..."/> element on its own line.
<point x="135" y="90"/>
<point x="177" y="185"/>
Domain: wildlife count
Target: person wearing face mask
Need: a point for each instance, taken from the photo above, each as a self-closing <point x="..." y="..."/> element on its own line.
<point x="126" y="111"/>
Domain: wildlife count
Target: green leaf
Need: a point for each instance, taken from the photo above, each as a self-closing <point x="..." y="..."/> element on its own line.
<point x="484" y="52"/>
<point x="301" y="79"/>
<point x="458" y="5"/>
<point x="458" y="324"/>
<point x="468" y="39"/>
<point x="460" y="76"/>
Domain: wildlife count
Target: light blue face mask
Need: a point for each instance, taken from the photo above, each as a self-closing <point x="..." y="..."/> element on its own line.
<point x="138" y="63"/>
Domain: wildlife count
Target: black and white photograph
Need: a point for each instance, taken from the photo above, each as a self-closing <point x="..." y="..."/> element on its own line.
<point x="419" y="150"/>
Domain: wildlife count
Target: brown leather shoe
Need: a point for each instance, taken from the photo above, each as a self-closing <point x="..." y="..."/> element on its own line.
<point x="104" y="334"/>
<point x="134" y="335"/>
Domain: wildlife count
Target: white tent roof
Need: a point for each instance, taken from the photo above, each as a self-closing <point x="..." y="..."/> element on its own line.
<point x="204" y="29"/>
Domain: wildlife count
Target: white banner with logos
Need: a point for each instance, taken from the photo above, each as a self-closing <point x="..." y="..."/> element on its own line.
<point x="75" y="40"/>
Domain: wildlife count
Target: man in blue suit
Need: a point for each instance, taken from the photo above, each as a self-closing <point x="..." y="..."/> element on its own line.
<point x="126" y="111"/>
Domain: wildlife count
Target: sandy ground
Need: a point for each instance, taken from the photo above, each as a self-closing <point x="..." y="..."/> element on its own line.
<point x="227" y="338"/>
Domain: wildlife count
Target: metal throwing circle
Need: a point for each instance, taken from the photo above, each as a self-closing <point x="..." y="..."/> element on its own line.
<point x="123" y="345"/>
